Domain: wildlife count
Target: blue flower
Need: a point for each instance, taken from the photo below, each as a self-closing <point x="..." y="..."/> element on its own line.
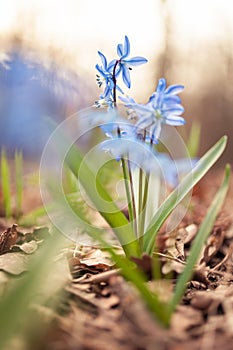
<point x="124" y="63"/>
<point x="142" y="156"/>
<point x="118" y="128"/>
<point x="106" y="72"/>
<point x="128" y="147"/>
<point x="163" y="107"/>
<point x="171" y="170"/>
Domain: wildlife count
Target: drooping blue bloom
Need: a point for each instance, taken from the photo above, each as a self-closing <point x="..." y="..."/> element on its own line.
<point x="118" y="128"/>
<point x="125" y="63"/>
<point x="171" y="170"/>
<point x="128" y="147"/>
<point x="142" y="156"/>
<point x="106" y="76"/>
<point x="129" y="102"/>
<point x="163" y="107"/>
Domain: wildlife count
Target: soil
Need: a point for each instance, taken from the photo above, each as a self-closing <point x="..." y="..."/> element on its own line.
<point x="100" y="310"/>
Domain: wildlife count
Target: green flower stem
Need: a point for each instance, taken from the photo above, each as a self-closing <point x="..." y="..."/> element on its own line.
<point x="142" y="213"/>
<point x="133" y="200"/>
<point x="130" y="196"/>
<point x="140" y="186"/>
<point x="127" y="189"/>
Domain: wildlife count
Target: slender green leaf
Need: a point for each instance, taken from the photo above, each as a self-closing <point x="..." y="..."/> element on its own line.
<point x="18" y="182"/>
<point x="200" y="239"/>
<point x="5" y="176"/>
<point x="157" y="307"/>
<point x="15" y="304"/>
<point x="31" y="218"/>
<point x="193" y="143"/>
<point x="186" y="185"/>
<point x="97" y="194"/>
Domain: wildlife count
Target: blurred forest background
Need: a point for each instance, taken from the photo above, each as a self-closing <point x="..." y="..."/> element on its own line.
<point x="49" y="50"/>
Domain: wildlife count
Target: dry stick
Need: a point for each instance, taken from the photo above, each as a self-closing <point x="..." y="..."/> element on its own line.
<point x="227" y="256"/>
<point x="101" y="277"/>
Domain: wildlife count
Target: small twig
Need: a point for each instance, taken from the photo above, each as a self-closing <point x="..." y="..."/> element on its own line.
<point x="170" y="257"/>
<point x="101" y="277"/>
<point x="226" y="257"/>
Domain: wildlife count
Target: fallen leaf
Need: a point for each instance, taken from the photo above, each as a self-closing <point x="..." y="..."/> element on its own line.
<point x="145" y="264"/>
<point x="14" y="263"/>
<point x="8" y="238"/>
<point x="29" y="247"/>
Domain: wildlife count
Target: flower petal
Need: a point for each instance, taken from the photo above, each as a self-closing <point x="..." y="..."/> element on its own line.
<point x="126" y="47"/>
<point x="120" y="51"/>
<point x="144" y="123"/>
<point x="176" y="109"/>
<point x="126" y="76"/>
<point x="135" y="61"/>
<point x="100" y="70"/>
<point x="108" y="129"/>
<point x="143" y="108"/>
<point x="128" y="101"/>
<point x="103" y="59"/>
<point x="174" y="89"/>
<point x="161" y="85"/>
<point x="171" y="99"/>
<point x="155" y="131"/>
<point x="111" y="65"/>
<point x="175" y="120"/>
<point x="119" y="89"/>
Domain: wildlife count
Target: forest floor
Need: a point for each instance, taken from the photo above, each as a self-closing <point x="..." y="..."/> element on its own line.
<point x="99" y="310"/>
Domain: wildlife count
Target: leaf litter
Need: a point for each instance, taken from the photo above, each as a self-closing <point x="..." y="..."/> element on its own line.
<point x="100" y="310"/>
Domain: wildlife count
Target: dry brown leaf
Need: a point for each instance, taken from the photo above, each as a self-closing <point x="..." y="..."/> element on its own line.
<point x="29" y="247"/>
<point x="8" y="238"/>
<point x="14" y="263"/>
<point x="184" y="319"/>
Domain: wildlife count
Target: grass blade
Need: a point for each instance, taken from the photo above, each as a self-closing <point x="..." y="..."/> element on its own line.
<point x="18" y="182"/>
<point x="6" y="193"/>
<point x="193" y="143"/>
<point x="157" y="307"/>
<point x="15" y="304"/>
<point x="96" y="192"/>
<point x="200" y="239"/>
<point x="186" y="185"/>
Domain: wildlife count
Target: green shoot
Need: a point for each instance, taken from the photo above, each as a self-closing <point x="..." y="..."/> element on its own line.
<point x="186" y="185"/>
<point x="6" y="184"/>
<point x="97" y="193"/>
<point x="161" y="311"/>
<point x="200" y="239"/>
<point x="18" y="159"/>
<point x="193" y="142"/>
<point x="16" y="303"/>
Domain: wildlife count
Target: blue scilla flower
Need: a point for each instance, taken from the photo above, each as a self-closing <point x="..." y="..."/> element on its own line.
<point x="106" y="76"/>
<point x="142" y="156"/>
<point x="126" y="146"/>
<point x="163" y="107"/>
<point x="171" y="170"/>
<point x="125" y="63"/>
<point x="119" y="129"/>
